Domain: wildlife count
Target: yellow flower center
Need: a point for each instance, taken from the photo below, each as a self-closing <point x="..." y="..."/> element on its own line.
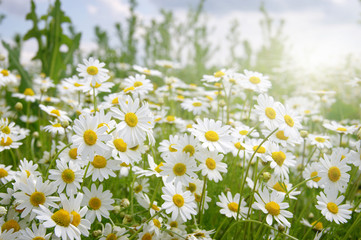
<point x="189" y="149"/>
<point x="128" y="89"/>
<point x="254" y="80"/>
<point x="157" y="169"/>
<point x="197" y="104"/>
<point x="38" y="238"/>
<point x="76" y="218"/>
<point x="73" y="153"/>
<point x="11" y="224"/>
<point x="90" y="137"/>
<point x="95" y="203"/>
<point x="147" y="236"/>
<point x="171" y="149"/>
<point x="92" y="70"/>
<point x="3" y="173"/>
<point x="37" y="198"/>
<point x="6" y="130"/>
<point x="318" y="226"/>
<point x="99" y="162"/>
<point x="260" y="149"/>
<point x="5" y="72"/>
<point x="233" y="206"/>
<point x="61" y="218"/>
<point x="218" y="74"/>
<point x="77" y="85"/>
<point x="57" y="125"/>
<point x="279" y="187"/>
<point x="179" y="169"/>
<point x="68" y="176"/>
<point x="8" y="142"/>
<point x="170" y="118"/>
<point x="270" y="113"/>
<point x="189" y="125"/>
<point x="27" y="173"/>
<point x="192" y="187"/>
<point x="138" y="84"/>
<point x="289" y="121"/>
<point x="147" y="71"/>
<point x="210" y="163"/>
<point x="320" y="139"/>
<point x="211" y="136"/>
<point x="156" y="223"/>
<point x="197" y="197"/>
<point x="102" y="124"/>
<point x="56" y="112"/>
<point x="120" y="145"/>
<point x="173" y="224"/>
<point x="314" y="174"/>
<point x="131" y="119"/>
<point x="111" y="236"/>
<point x="279" y="157"/>
<point x="155" y="207"/>
<point x="273" y="208"/>
<point x="334" y="174"/>
<point x="239" y="146"/>
<point x="178" y="200"/>
<point x="243" y="132"/>
<point x="29" y="92"/>
<point x="332" y="207"/>
<point x="138" y="188"/>
<point x="281" y="135"/>
<point x="115" y="101"/>
<point x="341" y="129"/>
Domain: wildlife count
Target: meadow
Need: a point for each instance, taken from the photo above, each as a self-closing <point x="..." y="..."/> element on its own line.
<point x="153" y="141"/>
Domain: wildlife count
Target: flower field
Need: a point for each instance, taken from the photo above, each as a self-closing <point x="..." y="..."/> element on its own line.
<point x="100" y="146"/>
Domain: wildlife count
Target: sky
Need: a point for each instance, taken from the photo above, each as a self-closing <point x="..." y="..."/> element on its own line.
<point x="319" y="31"/>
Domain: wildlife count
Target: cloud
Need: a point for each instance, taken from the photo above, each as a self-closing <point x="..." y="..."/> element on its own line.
<point x="116" y="7"/>
<point x="92" y="10"/>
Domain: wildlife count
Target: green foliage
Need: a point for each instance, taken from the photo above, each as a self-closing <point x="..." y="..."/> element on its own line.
<point x="53" y="61"/>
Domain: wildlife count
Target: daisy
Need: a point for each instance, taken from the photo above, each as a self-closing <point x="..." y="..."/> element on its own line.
<point x="282" y="187"/>
<point x="145" y="202"/>
<point x="178" y="202"/>
<point x="252" y="145"/>
<point x="146" y="71"/>
<point x="320" y="141"/>
<point x="89" y="139"/>
<point x="272" y="205"/>
<point x="92" y="70"/>
<point x="98" y="202"/>
<point x="67" y="175"/>
<point x="138" y="85"/>
<point x="280" y="159"/>
<point x="6" y="174"/>
<point x="35" y="233"/>
<point x="268" y="111"/>
<point x="241" y="132"/>
<point x="97" y="88"/>
<point x="331" y="208"/>
<point x="179" y="167"/>
<point x="213" y="135"/>
<point x="355" y="156"/>
<point x="68" y="220"/>
<point x="188" y="144"/>
<point x="336" y="127"/>
<point x="196" y="106"/>
<point x="167" y="147"/>
<point x="291" y="121"/>
<point x="333" y="172"/>
<point x="141" y="186"/>
<point x="55" y="128"/>
<point x="211" y="165"/>
<point x="154" y="169"/>
<point x="101" y="167"/>
<point x="56" y="113"/>
<point x="167" y="64"/>
<point x="29" y="168"/>
<point x="312" y="170"/>
<point x="28" y="95"/>
<point x="7" y="77"/>
<point x="32" y="194"/>
<point x="11" y="141"/>
<point x="121" y="148"/>
<point x="216" y="77"/>
<point x="135" y="119"/>
<point x="255" y="81"/>
<point x="230" y="206"/>
<point x="114" y="233"/>
<point x="70" y="154"/>
<point x="7" y="128"/>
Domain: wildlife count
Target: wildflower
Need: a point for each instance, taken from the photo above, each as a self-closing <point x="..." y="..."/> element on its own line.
<point x="230" y="205"/>
<point x="211" y="165"/>
<point x="92" y="70"/>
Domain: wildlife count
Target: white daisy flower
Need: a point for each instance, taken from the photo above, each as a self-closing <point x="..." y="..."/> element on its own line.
<point x="272" y="204"/>
<point x="6" y="174"/>
<point x="242" y="131"/>
<point x="28" y="95"/>
<point x="138" y="85"/>
<point x="6" y="77"/>
<point x="11" y="141"/>
<point x="230" y="206"/>
<point x="89" y="139"/>
<point x="141" y="186"/>
<point x="291" y="121"/>
<point x="216" y="77"/>
<point x="99" y="203"/>
<point x="101" y="167"/>
<point x="114" y="233"/>
<point x="213" y="135"/>
<point x="188" y="144"/>
<point x="333" y="172"/>
<point x="167" y="147"/>
<point x="282" y="138"/>
<point x="177" y="202"/>
<point x="120" y="146"/>
<point x="331" y="207"/>
<point x="145" y="202"/>
<point x="179" y="167"/>
<point x="146" y="71"/>
<point x="312" y="170"/>
<point x="153" y="169"/>
<point x="56" y="113"/>
<point x="196" y="106"/>
<point x="212" y="165"/>
<point x="268" y="111"/>
<point x="339" y="128"/>
<point x="34" y="233"/>
<point x="67" y="175"/>
<point x="255" y="81"/>
<point x="97" y="88"/>
<point x="251" y="146"/>
<point x="92" y="70"/>
<point x="55" y="128"/>
<point x="320" y="141"/>
<point x="282" y="187"/>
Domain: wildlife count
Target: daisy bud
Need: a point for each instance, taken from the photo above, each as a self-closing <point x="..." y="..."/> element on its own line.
<point x="359" y="133"/>
<point x="161" y="101"/>
<point x="97" y="233"/>
<point x="3" y="211"/>
<point x="18" y="106"/>
<point x="124" y="203"/>
<point x="222" y="103"/>
<point x="311" y="215"/>
<point x="121" y="214"/>
<point x="127" y="219"/>
<point x="65" y="124"/>
<point x="303" y="133"/>
<point x="266" y="176"/>
<point x="35" y="134"/>
<point x="38" y="144"/>
<point x="117" y="209"/>
<point x="299" y="167"/>
<point x="281" y="228"/>
<point x="228" y="190"/>
<point x="2" y="57"/>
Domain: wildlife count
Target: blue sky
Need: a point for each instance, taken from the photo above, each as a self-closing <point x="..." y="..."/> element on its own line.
<point x="318" y="30"/>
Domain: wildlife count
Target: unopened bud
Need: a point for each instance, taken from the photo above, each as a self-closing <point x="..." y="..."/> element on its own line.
<point x="3" y="211"/>
<point x="222" y="103"/>
<point x="300" y="167"/>
<point x="266" y="176"/>
<point x="124" y="203"/>
<point x="359" y="133"/>
<point x="304" y="133"/>
<point x="18" y="106"/>
<point x="65" y="124"/>
<point x="127" y="219"/>
<point x="2" y="57"/>
<point x="35" y="134"/>
<point x="117" y="209"/>
<point x="311" y="215"/>
<point x="281" y="228"/>
<point x="228" y="190"/>
<point x="97" y="233"/>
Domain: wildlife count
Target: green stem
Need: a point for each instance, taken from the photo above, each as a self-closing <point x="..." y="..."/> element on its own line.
<point x="219" y="228"/>
<point x="202" y="200"/>
<point x="141" y="228"/>
<point x="54" y="158"/>
<point x="86" y="171"/>
<point x="314" y="224"/>
<point x="95" y="101"/>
